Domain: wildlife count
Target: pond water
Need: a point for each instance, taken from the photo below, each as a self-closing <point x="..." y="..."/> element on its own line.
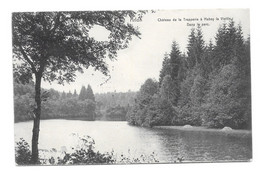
<point x="166" y="144"/>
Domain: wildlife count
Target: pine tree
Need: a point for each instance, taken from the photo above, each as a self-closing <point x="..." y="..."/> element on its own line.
<point x="82" y="94"/>
<point x="229" y="97"/>
<point x="171" y="64"/>
<point x="197" y="91"/>
<point x="170" y="90"/>
<point x="206" y="60"/>
<point x="200" y="45"/>
<point x="174" y="61"/>
<point x="90" y="94"/>
<point x="191" y="49"/>
<point x="75" y="93"/>
<point x="221" y="51"/>
<point x="165" y="68"/>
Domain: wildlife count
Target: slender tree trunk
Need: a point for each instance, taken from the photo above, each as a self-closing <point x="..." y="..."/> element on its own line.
<point x="36" y="121"/>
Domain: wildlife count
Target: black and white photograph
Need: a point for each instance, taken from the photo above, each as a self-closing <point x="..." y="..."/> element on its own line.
<point x="131" y="87"/>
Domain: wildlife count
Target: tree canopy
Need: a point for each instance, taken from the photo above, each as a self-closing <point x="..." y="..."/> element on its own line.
<point x="53" y="46"/>
<point x="57" y="44"/>
<point x="210" y="86"/>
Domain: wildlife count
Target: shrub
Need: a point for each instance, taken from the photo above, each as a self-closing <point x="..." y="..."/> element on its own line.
<point x="83" y="154"/>
<point x="23" y="153"/>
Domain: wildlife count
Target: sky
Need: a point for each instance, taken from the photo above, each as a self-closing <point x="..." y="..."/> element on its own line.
<point x="143" y="57"/>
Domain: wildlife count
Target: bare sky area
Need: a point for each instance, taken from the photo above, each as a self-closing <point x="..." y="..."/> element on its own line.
<point x="143" y="58"/>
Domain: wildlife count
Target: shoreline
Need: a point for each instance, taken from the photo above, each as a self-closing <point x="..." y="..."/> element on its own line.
<point x="180" y="128"/>
<point x="205" y="129"/>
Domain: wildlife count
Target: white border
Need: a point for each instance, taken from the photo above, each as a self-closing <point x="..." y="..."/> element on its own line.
<point x="6" y="121"/>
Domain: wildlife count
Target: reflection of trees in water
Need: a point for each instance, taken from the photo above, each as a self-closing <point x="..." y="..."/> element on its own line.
<point x="167" y="144"/>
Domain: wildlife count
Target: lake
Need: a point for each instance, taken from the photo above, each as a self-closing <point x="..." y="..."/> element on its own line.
<point x="166" y="143"/>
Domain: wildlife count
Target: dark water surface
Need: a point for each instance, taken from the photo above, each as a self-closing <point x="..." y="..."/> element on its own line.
<point x="166" y="143"/>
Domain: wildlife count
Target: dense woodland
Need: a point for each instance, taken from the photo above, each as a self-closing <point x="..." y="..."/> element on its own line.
<point x="207" y="86"/>
<point x="113" y="106"/>
<point x="110" y="106"/>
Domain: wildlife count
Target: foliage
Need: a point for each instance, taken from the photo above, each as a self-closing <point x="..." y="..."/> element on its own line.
<point x="90" y="94"/>
<point x="59" y="41"/>
<point x="169" y="90"/>
<point x="210" y="86"/>
<point x="117" y="113"/>
<point x="23" y="106"/>
<point x="123" y="159"/>
<point x="113" y="106"/>
<point x="86" y="93"/>
<point x="110" y="106"/>
<point x="144" y="98"/>
<point x="84" y="153"/>
<point x="57" y="105"/>
<point x="160" y="112"/>
<point x="113" y="99"/>
<point x="69" y="108"/>
<point x="22" y="153"/>
<point x="229" y="105"/>
<point x="53" y="46"/>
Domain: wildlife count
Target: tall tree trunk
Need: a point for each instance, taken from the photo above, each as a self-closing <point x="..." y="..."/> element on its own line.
<point x="36" y="121"/>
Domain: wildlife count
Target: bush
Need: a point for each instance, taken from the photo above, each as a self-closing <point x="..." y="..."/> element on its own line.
<point x="22" y="153"/>
<point x="83" y="154"/>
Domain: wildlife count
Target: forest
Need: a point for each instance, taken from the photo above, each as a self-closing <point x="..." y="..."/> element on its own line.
<point x="110" y="106"/>
<point x="209" y="85"/>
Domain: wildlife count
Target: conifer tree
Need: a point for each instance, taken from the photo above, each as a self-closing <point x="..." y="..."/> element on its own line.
<point x="200" y="45"/>
<point x="165" y="68"/>
<point x="174" y="61"/>
<point x="169" y="90"/>
<point x="89" y="93"/>
<point x="191" y="59"/>
<point x="82" y="93"/>
<point x="75" y="93"/>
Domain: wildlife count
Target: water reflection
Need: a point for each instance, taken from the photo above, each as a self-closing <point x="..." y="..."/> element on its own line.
<point x="167" y="144"/>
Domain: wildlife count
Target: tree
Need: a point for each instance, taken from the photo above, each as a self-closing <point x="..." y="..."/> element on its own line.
<point x="90" y="94"/>
<point x="228" y="42"/>
<point x="166" y="69"/>
<point x="175" y="61"/>
<point x="82" y="93"/>
<point x="200" y="45"/>
<point x="170" y="90"/>
<point x="195" y="47"/>
<point x="191" y="49"/>
<point x="229" y="97"/>
<point x="117" y="113"/>
<point x="63" y="95"/>
<point x="69" y="94"/>
<point x="197" y="91"/>
<point x="54" y="95"/>
<point x="171" y="64"/>
<point x="55" y="45"/>
<point x="159" y="112"/>
<point x="75" y="95"/>
<point x="228" y="103"/>
<point x="144" y="98"/>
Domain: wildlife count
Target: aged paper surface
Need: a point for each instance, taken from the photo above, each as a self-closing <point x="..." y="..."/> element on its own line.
<point x="151" y="86"/>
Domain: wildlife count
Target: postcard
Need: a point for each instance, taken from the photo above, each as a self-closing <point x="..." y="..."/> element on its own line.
<point x="130" y="87"/>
